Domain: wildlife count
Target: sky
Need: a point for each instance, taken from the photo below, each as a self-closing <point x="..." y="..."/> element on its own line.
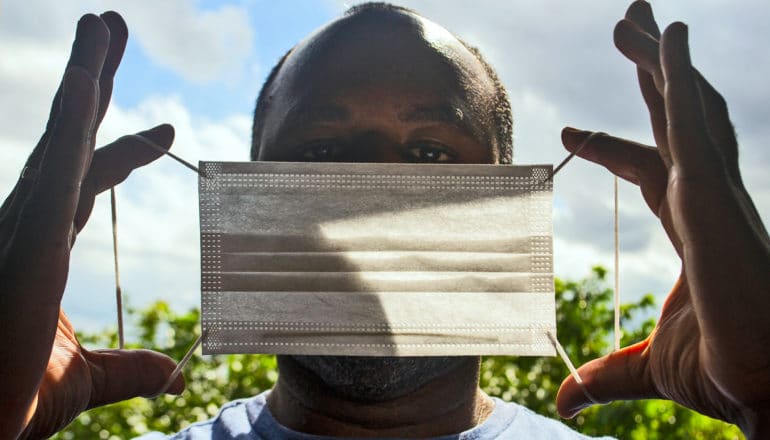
<point x="199" y="65"/>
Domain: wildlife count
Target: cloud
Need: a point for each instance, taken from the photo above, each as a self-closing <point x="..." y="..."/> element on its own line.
<point x="35" y="36"/>
<point x="43" y="22"/>
<point x="199" y="45"/>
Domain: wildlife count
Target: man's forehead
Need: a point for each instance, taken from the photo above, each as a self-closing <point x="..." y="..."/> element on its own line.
<point x="438" y="111"/>
<point x="383" y="46"/>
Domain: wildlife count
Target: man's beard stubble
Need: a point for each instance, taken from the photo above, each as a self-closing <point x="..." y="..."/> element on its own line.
<point x="376" y="379"/>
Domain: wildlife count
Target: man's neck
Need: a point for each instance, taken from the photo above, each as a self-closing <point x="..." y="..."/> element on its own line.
<point x="449" y="404"/>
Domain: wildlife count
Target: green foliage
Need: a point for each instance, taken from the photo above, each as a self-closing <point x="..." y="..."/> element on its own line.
<point x="584" y="317"/>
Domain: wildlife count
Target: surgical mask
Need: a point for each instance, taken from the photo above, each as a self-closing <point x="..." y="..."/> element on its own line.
<point x="376" y="259"/>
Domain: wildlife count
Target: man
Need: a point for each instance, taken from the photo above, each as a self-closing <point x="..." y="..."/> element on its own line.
<point x="384" y="84"/>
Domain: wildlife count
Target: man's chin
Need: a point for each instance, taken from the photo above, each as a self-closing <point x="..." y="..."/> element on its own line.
<point x="376" y="379"/>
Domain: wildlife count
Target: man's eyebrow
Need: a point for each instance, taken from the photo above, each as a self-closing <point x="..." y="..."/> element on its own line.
<point x="319" y="114"/>
<point x="435" y="113"/>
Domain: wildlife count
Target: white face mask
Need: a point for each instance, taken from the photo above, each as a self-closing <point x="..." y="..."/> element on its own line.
<point x="376" y="259"/>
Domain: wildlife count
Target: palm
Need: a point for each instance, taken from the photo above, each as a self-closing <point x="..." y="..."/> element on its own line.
<point x="77" y="379"/>
<point x="66" y="386"/>
<point x="675" y="357"/>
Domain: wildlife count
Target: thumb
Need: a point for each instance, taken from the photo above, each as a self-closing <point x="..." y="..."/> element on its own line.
<point x="123" y="374"/>
<point x="621" y="375"/>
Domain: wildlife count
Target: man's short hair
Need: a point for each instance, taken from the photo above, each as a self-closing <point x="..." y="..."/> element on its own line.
<point x="503" y="118"/>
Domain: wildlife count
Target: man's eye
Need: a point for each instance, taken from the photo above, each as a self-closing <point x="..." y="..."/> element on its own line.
<point x="322" y="151"/>
<point x="428" y="152"/>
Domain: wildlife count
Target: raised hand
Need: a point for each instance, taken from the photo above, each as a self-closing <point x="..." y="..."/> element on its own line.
<point x="709" y="349"/>
<point x="46" y="377"/>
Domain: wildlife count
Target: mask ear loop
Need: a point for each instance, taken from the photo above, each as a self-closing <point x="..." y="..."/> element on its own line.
<point x="165" y="151"/>
<point x="180" y="366"/>
<point x="118" y="291"/>
<point x="570" y="366"/>
<point x="551" y="336"/>
<point x="616" y="293"/>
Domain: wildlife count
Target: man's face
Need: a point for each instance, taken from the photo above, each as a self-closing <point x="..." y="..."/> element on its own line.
<point x="385" y="87"/>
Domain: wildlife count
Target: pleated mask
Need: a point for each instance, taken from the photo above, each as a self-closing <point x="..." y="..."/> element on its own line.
<point x="376" y="259"/>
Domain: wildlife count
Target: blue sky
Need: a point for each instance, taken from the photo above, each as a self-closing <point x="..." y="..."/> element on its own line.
<point x="200" y="64"/>
<point x="277" y="28"/>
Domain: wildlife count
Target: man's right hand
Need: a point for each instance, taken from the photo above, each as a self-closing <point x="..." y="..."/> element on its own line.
<point x="46" y="377"/>
<point x="708" y="351"/>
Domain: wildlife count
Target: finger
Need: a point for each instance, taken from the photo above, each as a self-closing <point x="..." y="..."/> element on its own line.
<point x="722" y="132"/>
<point x="117" y="45"/>
<point x="123" y="374"/>
<point x="692" y="151"/>
<point x="116" y="161"/>
<point x="637" y="43"/>
<point x="656" y="107"/>
<point x="91" y="44"/>
<point x="640" y="12"/>
<point x="636" y="163"/>
<point x="46" y="217"/>
<point x="641" y="48"/>
<point x="113" y="163"/>
<point x="618" y="376"/>
<point x="638" y="38"/>
<point x="718" y="124"/>
<point x="88" y="51"/>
